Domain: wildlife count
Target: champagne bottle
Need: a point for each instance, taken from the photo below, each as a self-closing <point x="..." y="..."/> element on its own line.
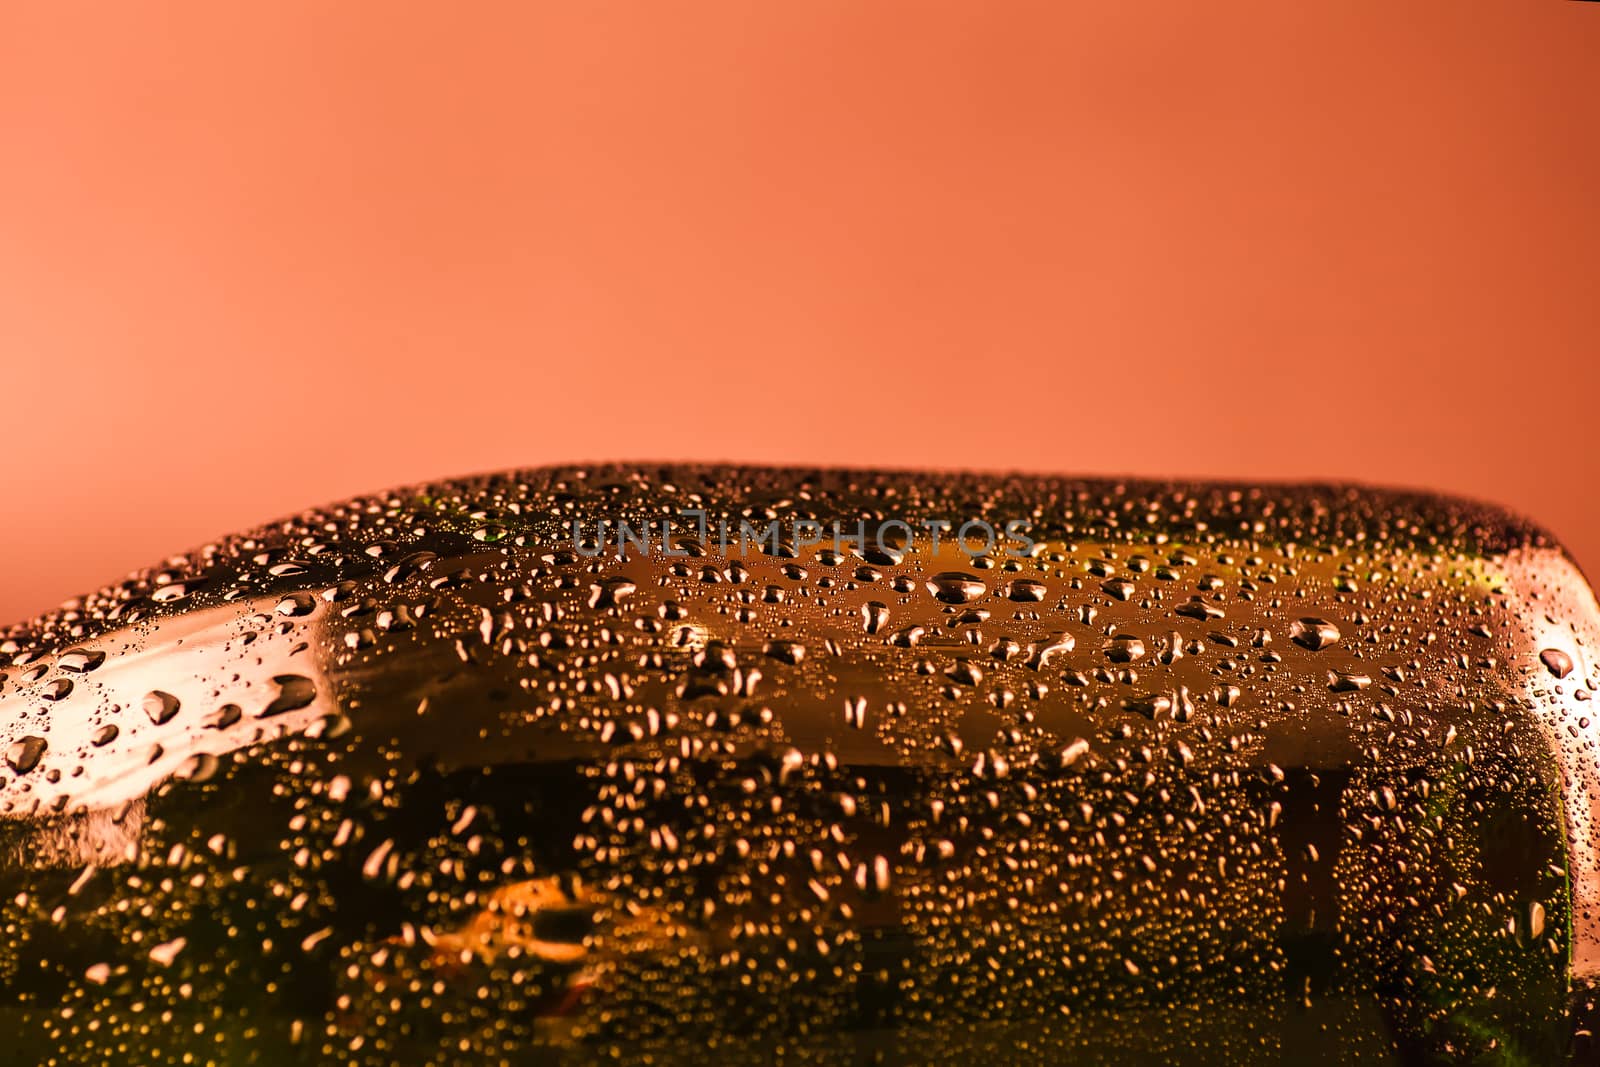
<point x="660" y="763"/>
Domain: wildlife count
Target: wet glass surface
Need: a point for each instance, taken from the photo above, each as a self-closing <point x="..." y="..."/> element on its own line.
<point x="1207" y="772"/>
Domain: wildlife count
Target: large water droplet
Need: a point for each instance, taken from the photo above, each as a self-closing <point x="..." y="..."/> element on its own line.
<point x="1313" y="633"/>
<point x="1556" y="662"/>
<point x="161" y="707"/>
<point x="955" y="587"/>
<point x="24" y="754"/>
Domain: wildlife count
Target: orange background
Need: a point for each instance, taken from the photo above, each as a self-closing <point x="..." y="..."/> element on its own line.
<point x="251" y="262"/>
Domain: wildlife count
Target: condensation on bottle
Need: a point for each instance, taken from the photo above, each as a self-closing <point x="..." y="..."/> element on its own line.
<point x="643" y="763"/>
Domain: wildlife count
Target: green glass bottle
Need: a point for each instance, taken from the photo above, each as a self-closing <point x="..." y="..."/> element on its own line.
<point x="662" y="763"/>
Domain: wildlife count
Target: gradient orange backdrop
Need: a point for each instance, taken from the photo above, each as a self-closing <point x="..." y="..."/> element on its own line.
<point x="252" y="260"/>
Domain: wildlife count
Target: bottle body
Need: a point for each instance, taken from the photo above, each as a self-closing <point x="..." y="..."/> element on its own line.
<point x="492" y="770"/>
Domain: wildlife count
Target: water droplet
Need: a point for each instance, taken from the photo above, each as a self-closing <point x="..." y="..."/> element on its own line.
<point x="1044" y="651"/>
<point x="1149" y="706"/>
<point x="161" y="707"/>
<point x="295" y="605"/>
<point x="955" y="587"/>
<point x="1118" y="588"/>
<point x="1072" y="752"/>
<point x="1313" y="633"/>
<point x="168" y="951"/>
<point x="25" y="753"/>
<point x="1025" y="590"/>
<point x="908" y="637"/>
<point x="1557" y="662"/>
<point x="1341" y="682"/>
<point x="965" y="672"/>
<point x="610" y="592"/>
<point x="294" y="692"/>
<point x="80" y="661"/>
<point x="1124" y="648"/>
<point x="200" y="767"/>
<point x="1198" y="608"/>
<point x="790" y="652"/>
